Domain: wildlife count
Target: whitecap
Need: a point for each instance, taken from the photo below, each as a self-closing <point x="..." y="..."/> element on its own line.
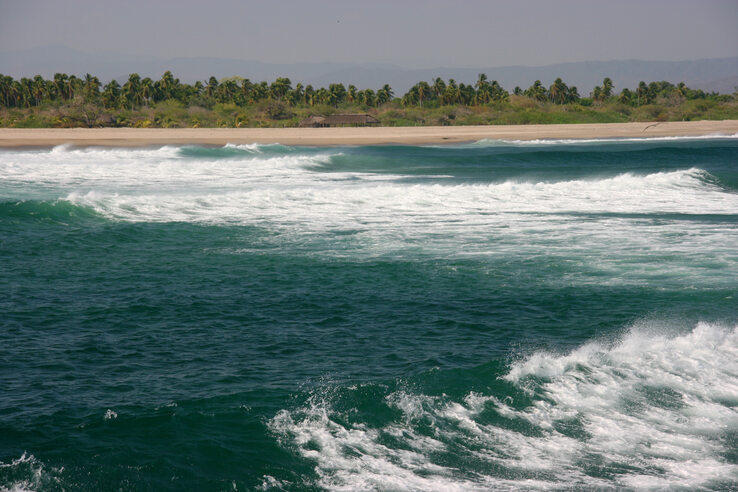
<point x="653" y="409"/>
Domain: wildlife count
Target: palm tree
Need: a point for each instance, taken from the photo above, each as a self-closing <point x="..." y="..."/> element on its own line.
<point x="310" y="95"/>
<point x="682" y="88"/>
<point x="410" y="97"/>
<point x="5" y="82"/>
<point x="597" y="94"/>
<point x="131" y="91"/>
<point x="60" y="84"/>
<point x="74" y="84"/>
<point x="423" y="89"/>
<point x="439" y="88"/>
<point x="227" y="90"/>
<point x="497" y="93"/>
<point x="484" y="93"/>
<point x="452" y="94"/>
<point x="642" y="92"/>
<point x="91" y="88"/>
<point x="467" y="94"/>
<point x="653" y="90"/>
<point x="26" y="91"/>
<point x="337" y="94"/>
<point x="147" y="90"/>
<point x="390" y="93"/>
<point x="260" y="91"/>
<point x="167" y="85"/>
<point x="384" y="95"/>
<point x="297" y="96"/>
<point x="558" y="92"/>
<point x="211" y="87"/>
<point x="39" y="89"/>
<point x="351" y="93"/>
<point x="111" y="94"/>
<point x="322" y="96"/>
<point x="247" y="88"/>
<point x="606" y="87"/>
<point x="280" y="87"/>
<point x="16" y="93"/>
<point x="194" y="90"/>
<point x="368" y="98"/>
<point x="536" y="91"/>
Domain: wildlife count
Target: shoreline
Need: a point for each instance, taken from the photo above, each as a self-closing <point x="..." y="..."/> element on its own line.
<point x="409" y="135"/>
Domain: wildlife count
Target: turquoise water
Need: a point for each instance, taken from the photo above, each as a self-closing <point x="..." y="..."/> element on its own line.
<point x="496" y="315"/>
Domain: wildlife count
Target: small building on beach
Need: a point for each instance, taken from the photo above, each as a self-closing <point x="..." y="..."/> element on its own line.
<point x="339" y="120"/>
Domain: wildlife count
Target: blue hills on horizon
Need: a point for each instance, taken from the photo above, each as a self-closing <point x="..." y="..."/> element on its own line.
<point x="711" y="74"/>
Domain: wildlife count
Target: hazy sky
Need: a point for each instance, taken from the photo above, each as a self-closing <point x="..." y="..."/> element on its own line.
<point x="411" y="33"/>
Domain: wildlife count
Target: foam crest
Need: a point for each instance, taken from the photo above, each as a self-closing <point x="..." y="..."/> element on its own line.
<point x="354" y="458"/>
<point x="649" y="411"/>
<point x="27" y="474"/>
<point x="146" y="168"/>
<point x="663" y="402"/>
<point x="293" y="186"/>
<point x="293" y="194"/>
<point x="68" y="151"/>
<point x="325" y="201"/>
<point x="580" y="141"/>
<point x="407" y="455"/>
<point x="259" y="148"/>
<point x="494" y="220"/>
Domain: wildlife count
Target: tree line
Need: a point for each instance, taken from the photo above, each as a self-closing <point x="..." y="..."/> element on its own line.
<point x="139" y="92"/>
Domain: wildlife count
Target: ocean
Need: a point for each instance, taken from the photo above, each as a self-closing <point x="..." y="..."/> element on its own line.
<point x="498" y="315"/>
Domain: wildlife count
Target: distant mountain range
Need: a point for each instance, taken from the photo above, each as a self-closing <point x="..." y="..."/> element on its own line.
<point x="715" y="74"/>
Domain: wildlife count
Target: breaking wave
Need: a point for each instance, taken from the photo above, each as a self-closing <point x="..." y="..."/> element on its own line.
<point x="651" y="410"/>
<point x="580" y="141"/>
<point x="322" y="200"/>
<point x="27" y="474"/>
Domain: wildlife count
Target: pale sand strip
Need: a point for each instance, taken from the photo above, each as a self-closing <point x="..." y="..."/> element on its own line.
<point x="13" y="137"/>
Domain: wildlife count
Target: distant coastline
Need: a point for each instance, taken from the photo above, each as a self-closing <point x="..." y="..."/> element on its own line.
<point x="69" y="101"/>
<point x="417" y="135"/>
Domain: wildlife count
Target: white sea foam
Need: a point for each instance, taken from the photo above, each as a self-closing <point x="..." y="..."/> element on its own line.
<point x="258" y="148"/>
<point x="292" y="194"/>
<point x="145" y="168"/>
<point x="488" y="219"/>
<point x="291" y="187"/>
<point x="654" y="411"/>
<point x="267" y="188"/>
<point x="33" y="473"/>
<point x="579" y="141"/>
<point x="490" y="142"/>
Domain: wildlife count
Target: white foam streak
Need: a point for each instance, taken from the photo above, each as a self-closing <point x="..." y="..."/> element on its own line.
<point x="323" y="201"/>
<point x="654" y="411"/>
<point x="258" y="148"/>
<point x="28" y="466"/>
<point x="579" y="141"/>
<point x="158" y="169"/>
<point x="353" y="459"/>
<point x="693" y="379"/>
<point x="158" y="184"/>
<point x="488" y="219"/>
<point x="290" y="194"/>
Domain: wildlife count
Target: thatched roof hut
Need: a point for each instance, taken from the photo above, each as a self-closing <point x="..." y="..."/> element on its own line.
<point x="313" y="122"/>
<point x="339" y="120"/>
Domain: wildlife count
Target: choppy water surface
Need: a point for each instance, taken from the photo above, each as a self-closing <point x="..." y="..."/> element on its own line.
<point x="497" y="315"/>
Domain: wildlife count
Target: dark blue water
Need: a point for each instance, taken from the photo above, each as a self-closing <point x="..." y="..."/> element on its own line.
<point x="487" y="316"/>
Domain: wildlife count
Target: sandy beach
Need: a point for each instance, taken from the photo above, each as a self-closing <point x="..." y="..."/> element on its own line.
<point x="132" y="137"/>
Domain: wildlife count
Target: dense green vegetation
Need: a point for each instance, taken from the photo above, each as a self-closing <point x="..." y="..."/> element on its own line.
<point x="70" y="101"/>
